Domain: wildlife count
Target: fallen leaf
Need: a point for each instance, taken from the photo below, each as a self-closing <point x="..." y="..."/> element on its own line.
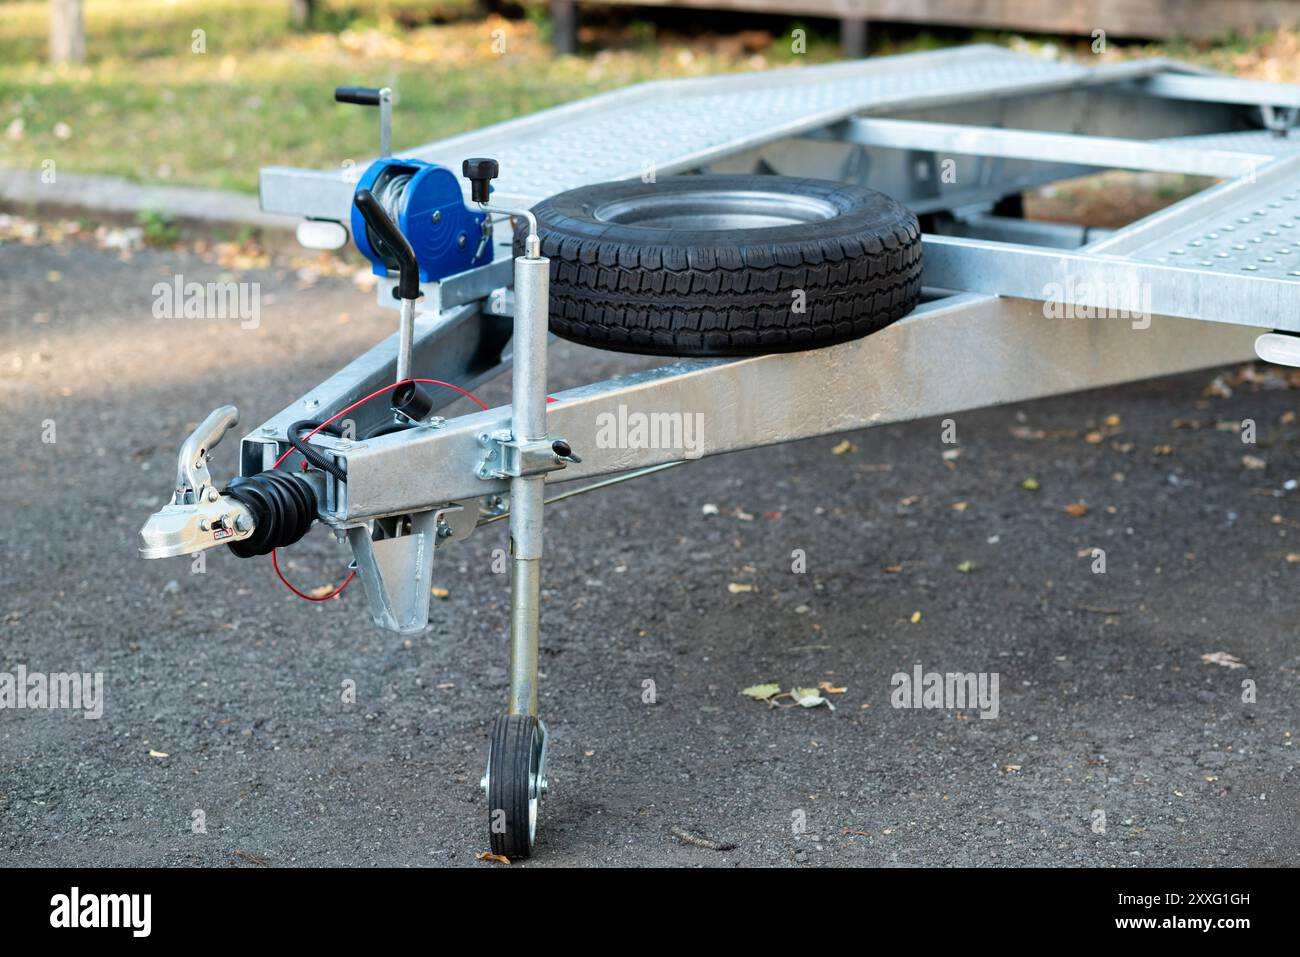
<point x="959" y="506"/>
<point x="1011" y="768"/>
<point x="1113" y="420"/>
<point x="736" y="588"/>
<point x="1293" y="557"/>
<point x="1095" y="437"/>
<point x="440" y="592"/>
<point x="892" y="569"/>
<point x="320" y="591"/>
<point x="761" y="692"/>
<point x="909" y="500"/>
<point x="916" y="616"/>
<point x="809" y="698"/>
<point x="1163" y="450"/>
<point x="158" y="754"/>
<point x="830" y="688"/>
<point x="1077" y="509"/>
<point x="1254" y="463"/>
<point x="1288" y="417"/>
<point x="966" y="567"/>
<point x="844" y="447"/>
<point x="1030" y="485"/>
<point x="1186" y="423"/>
<point x="489" y="856"/>
<point x="1224" y="659"/>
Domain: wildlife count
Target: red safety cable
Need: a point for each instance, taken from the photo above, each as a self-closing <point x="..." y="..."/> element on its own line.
<point x="388" y="388"/>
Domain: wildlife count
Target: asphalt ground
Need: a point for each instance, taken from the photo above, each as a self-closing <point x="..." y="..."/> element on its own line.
<point x="1116" y="744"/>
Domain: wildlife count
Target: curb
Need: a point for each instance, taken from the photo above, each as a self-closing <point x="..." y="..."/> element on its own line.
<point x="109" y="197"/>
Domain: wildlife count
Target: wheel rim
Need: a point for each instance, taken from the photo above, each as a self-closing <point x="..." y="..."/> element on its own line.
<point x="714" y="209"/>
<point x="536" y="780"/>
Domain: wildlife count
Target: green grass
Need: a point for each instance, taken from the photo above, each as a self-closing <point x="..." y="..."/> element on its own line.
<point x="214" y="118"/>
<point x="140" y="29"/>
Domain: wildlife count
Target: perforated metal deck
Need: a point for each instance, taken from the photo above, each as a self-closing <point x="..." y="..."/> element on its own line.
<point x="672" y="125"/>
<point x="1253" y="235"/>
<point x="680" y="124"/>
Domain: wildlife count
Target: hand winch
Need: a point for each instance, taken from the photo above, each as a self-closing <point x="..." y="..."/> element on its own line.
<point x="423" y="200"/>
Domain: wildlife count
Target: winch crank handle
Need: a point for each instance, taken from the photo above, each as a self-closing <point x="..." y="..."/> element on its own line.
<point x="372" y="96"/>
<point x="408" y="270"/>
<point x="192" y="463"/>
<point x="408" y="274"/>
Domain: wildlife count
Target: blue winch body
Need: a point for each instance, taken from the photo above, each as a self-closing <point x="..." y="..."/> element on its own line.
<point x="447" y="236"/>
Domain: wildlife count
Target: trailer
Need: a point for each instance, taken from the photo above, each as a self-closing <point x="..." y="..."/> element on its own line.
<point x="686" y="218"/>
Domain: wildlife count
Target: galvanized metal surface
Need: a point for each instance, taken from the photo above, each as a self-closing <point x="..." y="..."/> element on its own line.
<point x="1010" y="351"/>
<point x="1130" y="287"/>
<point x="1097" y="151"/>
<point x="460" y="346"/>
<point x="528" y="423"/>
<point x="1254" y="232"/>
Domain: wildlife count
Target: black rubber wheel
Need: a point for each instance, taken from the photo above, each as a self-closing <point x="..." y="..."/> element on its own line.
<point x="726" y="265"/>
<point x="515" y="783"/>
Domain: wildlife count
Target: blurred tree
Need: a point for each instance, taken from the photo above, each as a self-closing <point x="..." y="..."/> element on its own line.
<point x="67" y="32"/>
<point x="300" y="12"/>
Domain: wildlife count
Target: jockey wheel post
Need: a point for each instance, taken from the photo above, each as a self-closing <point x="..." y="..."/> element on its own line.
<point x="516" y="773"/>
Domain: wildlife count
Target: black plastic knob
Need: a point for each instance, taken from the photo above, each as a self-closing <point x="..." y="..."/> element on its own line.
<point x="480" y="171"/>
<point x="563" y="450"/>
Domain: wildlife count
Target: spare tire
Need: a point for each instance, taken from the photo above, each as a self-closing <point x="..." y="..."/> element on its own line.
<point x="726" y="265"/>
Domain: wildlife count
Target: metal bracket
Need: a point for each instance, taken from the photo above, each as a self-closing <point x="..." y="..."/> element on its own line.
<point x="394" y="557"/>
<point x="507" y="457"/>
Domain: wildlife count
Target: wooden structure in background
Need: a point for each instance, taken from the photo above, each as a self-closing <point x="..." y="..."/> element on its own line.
<point x="1145" y="19"/>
